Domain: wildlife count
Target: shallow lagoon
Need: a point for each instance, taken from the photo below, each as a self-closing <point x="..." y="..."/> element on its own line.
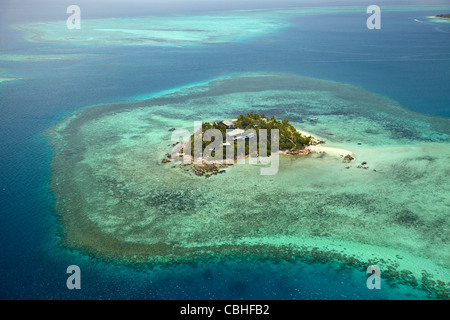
<point x="118" y="201"/>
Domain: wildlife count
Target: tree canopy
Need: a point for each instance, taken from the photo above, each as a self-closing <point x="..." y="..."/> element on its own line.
<point x="289" y="137"/>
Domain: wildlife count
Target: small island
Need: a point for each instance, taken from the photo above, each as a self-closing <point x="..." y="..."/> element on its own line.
<point x="442" y="16"/>
<point x="248" y="135"/>
<point x="247" y="128"/>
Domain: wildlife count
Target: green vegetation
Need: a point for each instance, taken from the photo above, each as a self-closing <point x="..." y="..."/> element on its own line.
<point x="289" y="137"/>
<point x="443" y="16"/>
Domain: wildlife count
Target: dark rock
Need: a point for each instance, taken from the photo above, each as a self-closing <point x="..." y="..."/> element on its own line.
<point x="364" y="163"/>
<point x="165" y="160"/>
<point x="172" y="129"/>
<point x="348" y="158"/>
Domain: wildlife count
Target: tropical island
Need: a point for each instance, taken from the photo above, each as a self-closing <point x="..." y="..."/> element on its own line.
<point x="442" y="16"/>
<point x="247" y="128"/>
<point x="248" y="135"/>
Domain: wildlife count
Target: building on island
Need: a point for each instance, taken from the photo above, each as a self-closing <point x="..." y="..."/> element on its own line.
<point x="233" y="135"/>
<point x="238" y="134"/>
<point x="228" y="124"/>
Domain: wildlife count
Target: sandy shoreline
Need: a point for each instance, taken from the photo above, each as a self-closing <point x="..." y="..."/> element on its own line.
<point x="319" y="148"/>
<point x="336" y="152"/>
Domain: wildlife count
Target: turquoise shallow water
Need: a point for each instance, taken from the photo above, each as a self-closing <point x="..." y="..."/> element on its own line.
<point x="118" y="201"/>
<point x="29" y="227"/>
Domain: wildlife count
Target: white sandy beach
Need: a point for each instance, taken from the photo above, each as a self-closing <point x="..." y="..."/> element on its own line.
<point x="318" y="148"/>
<point x="337" y="152"/>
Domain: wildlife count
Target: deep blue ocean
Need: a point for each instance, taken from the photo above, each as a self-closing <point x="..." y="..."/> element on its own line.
<point x="406" y="60"/>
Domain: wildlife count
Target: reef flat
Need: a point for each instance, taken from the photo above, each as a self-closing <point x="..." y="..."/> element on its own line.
<point x="222" y="28"/>
<point x="5" y="78"/>
<point x="117" y="201"/>
<point x="155" y="31"/>
<point x="43" y="57"/>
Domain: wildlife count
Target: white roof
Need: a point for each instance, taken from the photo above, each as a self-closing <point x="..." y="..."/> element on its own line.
<point x="235" y="132"/>
<point x="227" y="123"/>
